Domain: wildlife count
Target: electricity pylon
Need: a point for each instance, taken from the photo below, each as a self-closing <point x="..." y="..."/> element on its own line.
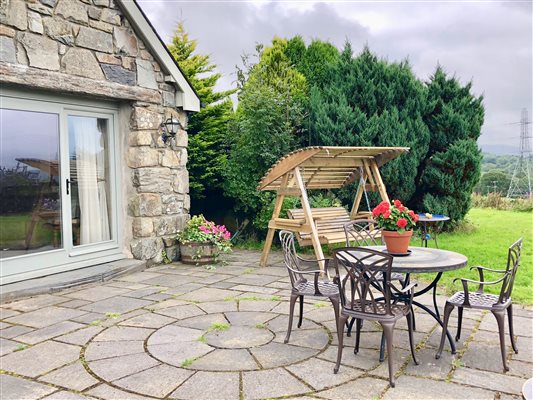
<point x="520" y="185"/>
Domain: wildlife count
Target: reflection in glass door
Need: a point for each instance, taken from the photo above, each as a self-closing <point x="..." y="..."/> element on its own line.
<point x="30" y="197"/>
<point x="89" y="184"/>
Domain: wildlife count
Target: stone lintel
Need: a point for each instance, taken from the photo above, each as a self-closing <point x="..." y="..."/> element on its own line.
<point x="57" y="81"/>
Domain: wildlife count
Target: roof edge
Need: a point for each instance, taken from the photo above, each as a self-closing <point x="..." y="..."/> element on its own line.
<point x="187" y="98"/>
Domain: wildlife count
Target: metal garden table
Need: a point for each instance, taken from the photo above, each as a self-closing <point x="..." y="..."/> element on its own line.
<point x="423" y="260"/>
<point x="425" y="223"/>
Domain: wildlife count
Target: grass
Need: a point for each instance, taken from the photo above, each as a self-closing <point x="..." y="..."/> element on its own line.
<point x="13" y="232"/>
<point x="485" y="241"/>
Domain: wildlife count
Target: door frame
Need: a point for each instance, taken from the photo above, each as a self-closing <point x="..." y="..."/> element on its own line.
<point x="69" y="257"/>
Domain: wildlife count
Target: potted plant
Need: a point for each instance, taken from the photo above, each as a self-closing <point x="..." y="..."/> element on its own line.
<point x="397" y="223"/>
<point x="202" y="241"/>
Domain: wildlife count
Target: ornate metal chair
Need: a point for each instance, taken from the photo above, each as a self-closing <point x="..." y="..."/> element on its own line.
<point x="364" y="232"/>
<point x="298" y="269"/>
<point x="365" y="294"/>
<point x="498" y="305"/>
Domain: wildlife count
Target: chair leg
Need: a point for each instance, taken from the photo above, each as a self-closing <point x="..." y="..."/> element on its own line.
<point x="382" y="348"/>
<point x="301" y="311"/>
<point x="413" y="318"/>
<point x="335" y="303"/>
<point x="388" y="331"/>
<point x="410" y="323"/>
<point x="459" y="323"/>
<point x="294" y="297"/>
<point x="500" y="319"/>
<point x="349" y="326"/>
<point x="340" y="335"/>
<point x="358" y="326"/>
<point x="511" y="330"/>
<point x="448" y="308"/>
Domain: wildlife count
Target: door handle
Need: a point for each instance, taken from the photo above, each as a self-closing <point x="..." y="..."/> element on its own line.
<point x="67" y="185"/>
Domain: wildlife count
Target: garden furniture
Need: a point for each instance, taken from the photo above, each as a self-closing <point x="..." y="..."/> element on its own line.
<point x="497" y="304"/>
<point x="364" y="232"/>
<point x="422" y="260"/>
<point x="365" y="276"/>
<point x="298" y="269"/>
<point x="425" y="227"/>
<point x="323" y="167"/>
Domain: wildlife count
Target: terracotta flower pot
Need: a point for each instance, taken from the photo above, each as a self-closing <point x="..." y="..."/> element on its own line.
<point x="397" y="243"/>
<point x="198" y="253"/>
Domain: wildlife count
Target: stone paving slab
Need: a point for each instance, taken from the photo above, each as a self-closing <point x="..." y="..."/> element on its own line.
<point x="157" y="382"/>
<point x="209" y="386"/>
<point x="184" y="332"/>
<point x="18" y="388"/>
<point x="40" y="358"/>
<point x="49" y="332"/>
<point x="73" y="376"/>
<point x="45" y="316"/>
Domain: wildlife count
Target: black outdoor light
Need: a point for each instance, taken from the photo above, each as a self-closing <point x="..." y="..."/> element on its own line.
<point x="170" y="128"/>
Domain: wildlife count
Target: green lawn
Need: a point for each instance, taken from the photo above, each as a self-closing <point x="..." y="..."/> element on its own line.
<point x="13" y="229"/>
<point x="486" y="244"/>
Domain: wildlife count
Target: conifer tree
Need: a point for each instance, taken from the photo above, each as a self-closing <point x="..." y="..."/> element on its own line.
<point x="207" y="129"/>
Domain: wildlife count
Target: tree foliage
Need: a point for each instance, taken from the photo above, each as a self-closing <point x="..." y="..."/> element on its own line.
<point x="208" y="128"/>
<point x="268" y="119"/>
<point x="298" y="95"/>
<point x="452" y="165"/>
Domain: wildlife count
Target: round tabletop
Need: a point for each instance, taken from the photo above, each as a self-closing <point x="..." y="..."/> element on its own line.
<point x="425" y="260"/>
<point x="433" y="218"/>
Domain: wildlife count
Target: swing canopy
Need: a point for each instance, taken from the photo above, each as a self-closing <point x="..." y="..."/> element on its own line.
<point x="328" y="167"/>
<point x="323" y="168"/>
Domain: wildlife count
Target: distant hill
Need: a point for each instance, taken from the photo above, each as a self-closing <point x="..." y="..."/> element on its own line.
<point x="499" y="149"/>
<point x="501" y="162"/>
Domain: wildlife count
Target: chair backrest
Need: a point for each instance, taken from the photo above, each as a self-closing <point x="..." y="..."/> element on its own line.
<point x="290" y="257"/>
<point x="362" y="232"/>
<point x="366" y="280"/>
<point x="513" y="262"/>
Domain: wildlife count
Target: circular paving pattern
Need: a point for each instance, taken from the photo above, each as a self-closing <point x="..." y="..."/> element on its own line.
<point x="231" y="341"/>
<point x="238" y="337"/>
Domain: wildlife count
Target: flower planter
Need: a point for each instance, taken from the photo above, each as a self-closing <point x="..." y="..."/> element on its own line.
<point x="397" y="243"/>
<point x="198" y="253"/>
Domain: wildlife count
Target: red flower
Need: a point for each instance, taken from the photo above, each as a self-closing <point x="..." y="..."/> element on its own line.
<point x="397" y="204"/>
<point x="386" y="214"/>
<point x="381" y="208"/>
<point x="401" y="208"/>
<point x="402" y="223"/>
<point x="411" y="214"/>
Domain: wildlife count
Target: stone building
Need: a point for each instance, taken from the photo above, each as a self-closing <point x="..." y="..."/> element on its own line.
<point x="85" y="176"/>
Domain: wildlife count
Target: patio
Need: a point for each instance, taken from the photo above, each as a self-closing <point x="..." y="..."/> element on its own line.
<point x="184" y="332"/>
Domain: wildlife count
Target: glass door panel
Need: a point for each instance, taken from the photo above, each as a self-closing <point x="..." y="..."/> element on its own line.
<point x="89" y="184"/>
<point x="30" y="196"/>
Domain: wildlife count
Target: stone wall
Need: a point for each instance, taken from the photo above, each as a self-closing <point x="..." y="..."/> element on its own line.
<point x="88" y="47"/>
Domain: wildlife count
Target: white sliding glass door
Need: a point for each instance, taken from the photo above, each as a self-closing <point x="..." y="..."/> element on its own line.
<point x="58" y="198"/>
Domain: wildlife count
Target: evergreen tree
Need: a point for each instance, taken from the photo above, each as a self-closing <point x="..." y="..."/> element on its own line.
<point x="207" y="129"/>
<point x="452" y="165"/>
<point x="370" y="102"/>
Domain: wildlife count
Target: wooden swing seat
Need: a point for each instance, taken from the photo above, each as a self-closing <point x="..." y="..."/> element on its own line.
<point x="329" y="222"/>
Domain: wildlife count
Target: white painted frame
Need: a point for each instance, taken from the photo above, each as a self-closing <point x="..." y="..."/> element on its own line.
<point x="69" y="257"/>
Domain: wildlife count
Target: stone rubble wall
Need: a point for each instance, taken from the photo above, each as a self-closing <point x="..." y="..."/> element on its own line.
<point x="88" y="45"/>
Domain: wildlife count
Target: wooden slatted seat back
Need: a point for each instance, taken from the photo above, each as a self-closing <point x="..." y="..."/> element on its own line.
<point x="329" y="223"/>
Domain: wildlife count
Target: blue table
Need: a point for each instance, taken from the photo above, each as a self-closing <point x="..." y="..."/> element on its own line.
<point x="426" y="222"/>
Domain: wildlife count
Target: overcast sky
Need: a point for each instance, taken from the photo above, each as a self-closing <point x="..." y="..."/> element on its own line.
<point x="488" y="42"/>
